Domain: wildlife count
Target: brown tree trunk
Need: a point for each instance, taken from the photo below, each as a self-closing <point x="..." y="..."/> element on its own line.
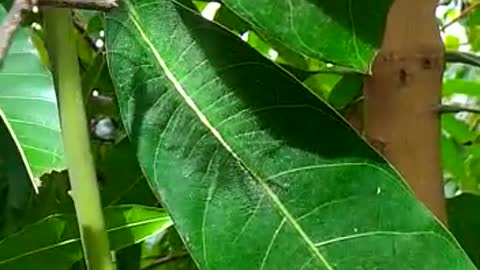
<point x="402" y="95"/>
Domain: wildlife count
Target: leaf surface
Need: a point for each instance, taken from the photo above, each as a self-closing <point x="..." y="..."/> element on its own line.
<point x="54" y="243"/>
<point x="345" y="32"/>
<point x="16" y="190"/>
<point x="464" y="221"/>
<point x="28" y="101"/>
<point x="256" y="171"/>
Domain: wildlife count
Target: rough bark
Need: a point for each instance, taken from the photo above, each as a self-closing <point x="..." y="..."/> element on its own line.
<point x="402" y="95"/>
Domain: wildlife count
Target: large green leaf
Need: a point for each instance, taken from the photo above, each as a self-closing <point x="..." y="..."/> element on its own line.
<point x="345" y="32"/>
<point x="257" y="172"/>
<point x="54" y="243"/>
<point x="27" y="98"/>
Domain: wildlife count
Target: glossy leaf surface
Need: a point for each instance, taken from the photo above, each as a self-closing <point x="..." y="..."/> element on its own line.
<point x="28" y="101"/>
<point x="344" y="32"/>
<point x="253" y="167"/>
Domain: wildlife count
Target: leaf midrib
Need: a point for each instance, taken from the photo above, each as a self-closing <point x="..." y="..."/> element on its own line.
<point x="132" y="15"/>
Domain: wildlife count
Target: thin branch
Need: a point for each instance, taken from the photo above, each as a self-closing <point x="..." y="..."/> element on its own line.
<point x="103" y="5"/>
<point x="454" y="108"/>
<point x="462" y="15"/>
<point x="10" y="25"/>
<point x="462" y="57"/>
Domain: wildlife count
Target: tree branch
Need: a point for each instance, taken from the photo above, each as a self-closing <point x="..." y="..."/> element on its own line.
<point x="10" y="25"/>
<point x="103" y="5"/>
<point x="462" y="15"/>
<point x="462" y="57"/>
<point x="456" y="108"/>
<point x="14" y="17"/>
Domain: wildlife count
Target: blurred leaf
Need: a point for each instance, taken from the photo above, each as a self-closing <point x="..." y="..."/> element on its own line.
<point x="129" y="258"/>
<point x="452" y="42"/>
<point x="200" y="5"/>
<point x="27" y="98"/>
<point x="285" y="56"/>
<point x="90" y="20"/>
<point x="334" y="31"/>
<point x="301" y="75"/>
<point x="37" y="40"/>
<point x="322" y="83"/>
<point x="86" y="53"/>
<point x="289" y="57"/>
<point x="123" y="180"/>
<point x="457" y="129"/>
<point x="346" y="91"/>
<point x="227" y="18"/>
<point x="95" y="24"/>
<point x="458" y="86"/>
<point x="97" y="78"/>
<point x="166" y="253"/>
<point x="473" y="34"/>
<point x="252" y="166"/>
<point x="52" y="197"/>
<point x="453" y="158"/>
<point x="54" y="243"/>
<point x="6" y="3"/>
<point x="473" y="18"/>
<point x="473" y="171"/>
<point x="464" y="223"/>
<point x="16" y="190"/>
<point x="258" y="43"/>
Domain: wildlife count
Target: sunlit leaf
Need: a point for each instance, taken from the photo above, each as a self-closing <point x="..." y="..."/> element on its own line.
<point x="253" y="167"/>
<point x="27" y="99"/>
<point x="345" y="32"/>
<point x="458" y="86"/>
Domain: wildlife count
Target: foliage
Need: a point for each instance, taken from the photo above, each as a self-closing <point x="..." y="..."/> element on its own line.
<point x="235" y="124"/>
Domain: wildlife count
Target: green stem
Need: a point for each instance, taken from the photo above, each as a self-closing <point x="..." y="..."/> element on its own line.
<point x="81" y="170"/>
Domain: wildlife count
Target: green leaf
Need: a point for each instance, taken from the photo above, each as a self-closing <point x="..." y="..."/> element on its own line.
<point x="453" y="158"/>
<point x="457" y="129"/>
<point x="323" y="83"/>
<point x="344" y="32"/>
<point x="129" y="258"/>
<point x="464" y="222"/>
<point x="54" y="243"/>
<point x="27" y="98"/>
<point x="473" y="34"/>
<point x="346" y="91"/>
<point x="122" y="179"/>
<point x="256" y="171"/>
<point x="452" y="42"/>
<point x="230" y="20"/>
<point x="166" y="252"/>
<point x="459" y="86"/>
<point x="16" y="190"/>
